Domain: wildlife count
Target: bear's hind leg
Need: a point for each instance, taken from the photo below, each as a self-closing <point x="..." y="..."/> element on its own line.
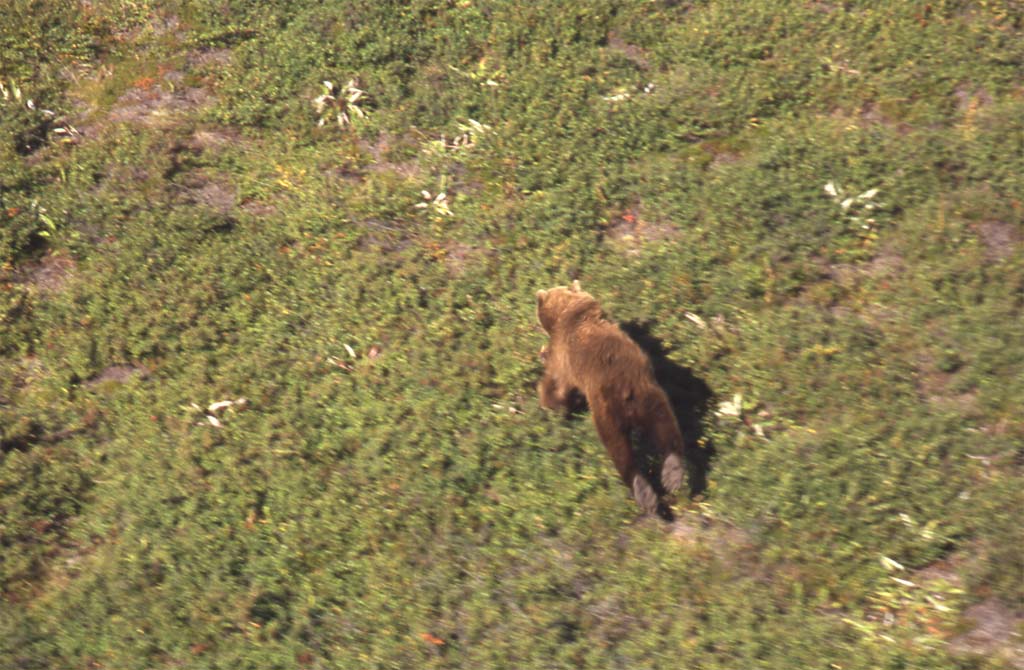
<point x="672" y="472"/>
<point x="644" y="495"/>
<point x="616" y="442"/>
<point x="666" y="435"/>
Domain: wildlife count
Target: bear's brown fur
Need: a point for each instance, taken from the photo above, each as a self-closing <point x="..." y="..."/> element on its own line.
<point x="590" y="355"/>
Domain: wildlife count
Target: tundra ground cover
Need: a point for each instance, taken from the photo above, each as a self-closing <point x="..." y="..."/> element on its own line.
<point x="813" y="210"/>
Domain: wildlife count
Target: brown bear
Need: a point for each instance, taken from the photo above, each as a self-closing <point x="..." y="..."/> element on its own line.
<point x="590" y="355"/>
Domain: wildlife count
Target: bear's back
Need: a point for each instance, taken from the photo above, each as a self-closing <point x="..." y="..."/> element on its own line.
<point x="603" y="357"/>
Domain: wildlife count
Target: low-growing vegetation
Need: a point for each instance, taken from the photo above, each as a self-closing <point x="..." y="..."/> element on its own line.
<point x="268" y="345"/>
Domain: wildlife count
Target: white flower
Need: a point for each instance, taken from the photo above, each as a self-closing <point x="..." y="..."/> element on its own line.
<point x="618" y="97"/>
<point x="890" y="564"/>
<point x="696" y="319"/>
<point x="732" y="407"/>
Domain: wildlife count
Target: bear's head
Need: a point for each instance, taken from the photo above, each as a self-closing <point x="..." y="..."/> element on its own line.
<point x="555" y="303"/>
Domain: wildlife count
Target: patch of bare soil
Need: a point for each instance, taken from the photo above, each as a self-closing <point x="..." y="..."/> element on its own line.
<point x="258" y="208"/>
<point x="383" y="237"/>
<point x="214" y="194"/>
<point x="946" y="570"/>
<point x="869" y="114"/>
<point x="208" y="58"/>
<point x="155" y="102"/>
<point x="159" y="25"/>
<point x="1001" y="239"/>
<point x="630" y="231"/>
<point x="632" y="52"/>
<point x="938" y="386"/>
<point x="997" y="632"/>
<point x="964" y="403"/>
<point x="727" y="543"/>
<point x="51" y="273"/>
<point x="459" y="256"/>
<point x="116" y="374"/>
<point x="970" y="99"/>
<point x="24" y="371"/>
<point x="405" y="169"/>
<point x="887" y="264"/>
<point x="384" y="151"/>
<point x="213" y="139"/>
<point x="155" y="106"/>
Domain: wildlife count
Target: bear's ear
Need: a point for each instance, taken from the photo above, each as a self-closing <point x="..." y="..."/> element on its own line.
<point x="576" y="288"/>
<point x="540" y="296"/>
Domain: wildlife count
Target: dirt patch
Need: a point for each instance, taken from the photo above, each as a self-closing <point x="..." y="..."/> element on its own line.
<point x="1001" y="239"/>
<point x="937" y="383"/>
<point x="996" y="632"/>
<point x="51" y="273"/>
<point x="632" y="52"/>
<point x="720" y="153"/>
<point x="116" y="374"/>
<point x="159" y="25"/>
<point x="1005" y="426"/>
<point x="843" y="274"/>
<point x="725" y="542"/>
<point x="405" y="169"/>
<point x="962" y="403"/>
<point x="382" y="237"/>
<point x="630" y="232"/>
<point x="208" y="58"/>
<point x="874" y="113"/>
<point x="213" y="139"/>
<point x="970" y="98"/>
<point x="720" y="158"/>
<point x="460" y="256"/>
<point x="23" y="372"/>
<point x="386" y="152"/>
<point x="887" y="264"/>
<point x="942" y="572"/>
<point x="258" y="208"/>
<point x="344" y="173"/>
<point x="155" y="106"/>
<point x="213" y="194"/>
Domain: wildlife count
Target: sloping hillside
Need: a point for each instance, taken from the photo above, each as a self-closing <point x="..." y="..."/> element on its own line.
<point x="268" y="346"/>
